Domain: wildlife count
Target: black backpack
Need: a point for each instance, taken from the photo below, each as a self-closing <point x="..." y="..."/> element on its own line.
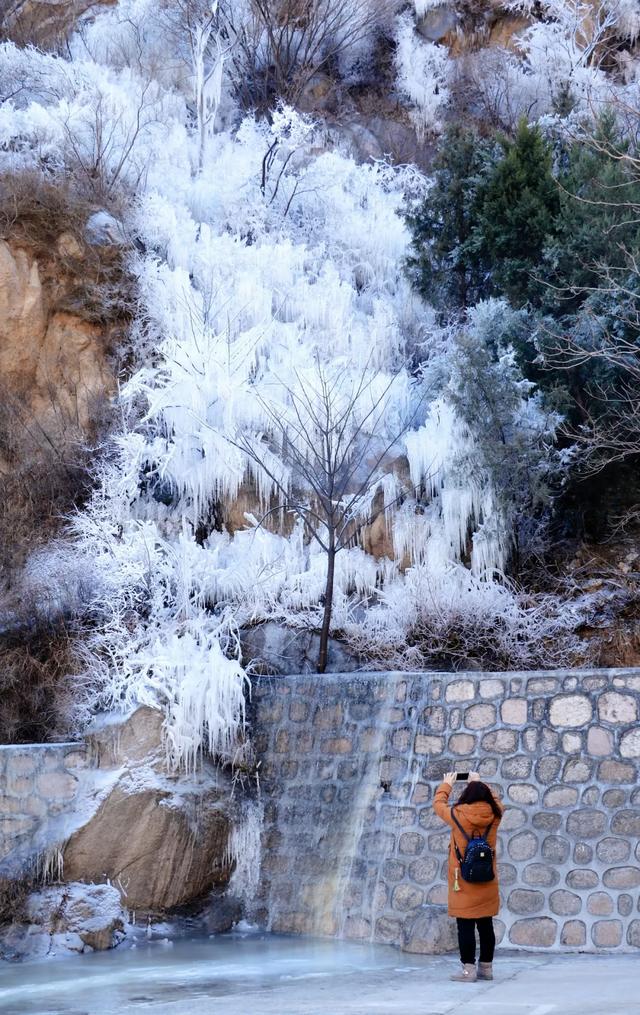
<point x="477" y="863"/>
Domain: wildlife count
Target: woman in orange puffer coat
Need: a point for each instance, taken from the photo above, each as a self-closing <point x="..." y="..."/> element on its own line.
<point x="472" y="904"/>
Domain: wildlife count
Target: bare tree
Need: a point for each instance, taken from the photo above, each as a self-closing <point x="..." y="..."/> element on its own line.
<point x="196" y="28"/>
<point x="335" y="447"/>
<point x="279" y="45"/>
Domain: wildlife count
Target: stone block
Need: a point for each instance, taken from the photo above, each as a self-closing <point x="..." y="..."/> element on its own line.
<point x="328" y="717"/>
<point x="439" y="843"/>
<point x="428" y="744"/>
<point x="571" y="743"/>
<point x="513" y="818"/>
<point x="514" y="711"/>
<point x="57" y="785"/>
<point x="630" y="744"/>
<point x="581" y="879"/>
<point x="21" y="786"/>
<point x="282" y="742"/>
<point x="530" y="739"/>
<point x="487" y="767"/>
<point x="549" y="740"/>
<point x="21" y="764"/>
<point x="388" y="931"/>
<point x="524" y="901"/>
<point x="586" y="823"/>
<point x="490" y="688"/>
<point x="607" y="933"/>
<point x="460" y="690"/>
<point x="337" y="745"/>
<point x="547" y="822"/>
<point x="434" y="718"/>
<point x="424" y="870"/>
<point x="548" y="768"/>
<point x="599" y="742"/>
<point x="633" y="934"/>
<point x="455" y="718"/>
<point x="303" y="742"/>
<point x="438" y="895"/>
<point x="621" y="877"/>
<point x="430" y="933"/>
<point x="600" y="904"/>
<point x="590" y="796"/>
<point x="616" y="771"/>
<point x="462" y="744"/>
<point x="625" y="904"/>
<point x="500" y="741"/>
<point x="582" y="853"/>
<point x="614" y="798"/>
<point x="542" y="875"/>
<point x="611" y="850"/>
<point x="560" y="796"/>
<point x="298" y="711"/>
<point x="523" y="793"/>
<point x="401" y="691"/>
<point x="522" y="846"/>
<point x="507" y="873"/>
<point x="542" y="685"/>
<point x="616" y="708"/>
<point x="393" y="870"/>
<point x="564" y="903"/>
<point x="555" y="849"/>
<point x="578" y="770"/>
<point x="626" y="823"/>
<point x="570" y="710"/>
<point x="76" y="759"/>
<point x="421" y="793"/>
<point x="517" y="767"/>
<point x="411" y="843"/>
<point x="356" y="928"/>
<point x="574" y="934"/>
<point x="480" y="717"/>
<point x="405" y="897"/>
<point x="400" y="739"/>
<point x="534" y="932"/>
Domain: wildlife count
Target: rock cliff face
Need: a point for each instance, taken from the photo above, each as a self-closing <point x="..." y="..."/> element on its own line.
<point x="53" y="362"/>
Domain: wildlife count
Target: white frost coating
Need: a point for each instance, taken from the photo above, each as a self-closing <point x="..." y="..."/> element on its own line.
<point x="244" y="850"/>
<point x="423" y="75"/>
<point x="247" y="273"/>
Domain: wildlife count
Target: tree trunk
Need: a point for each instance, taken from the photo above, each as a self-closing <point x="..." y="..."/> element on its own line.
<point x="328" y="605"/>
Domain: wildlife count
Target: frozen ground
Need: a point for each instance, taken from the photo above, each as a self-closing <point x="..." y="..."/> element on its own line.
<point x="259" y="975"/>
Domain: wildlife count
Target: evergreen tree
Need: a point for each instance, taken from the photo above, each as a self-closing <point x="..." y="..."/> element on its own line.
<point x="444" y="267"/>
<point x="517" y="208"/>
<point x="598" y="227"/>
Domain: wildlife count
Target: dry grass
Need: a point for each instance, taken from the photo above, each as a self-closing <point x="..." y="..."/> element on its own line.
<point x="37" y="661"/>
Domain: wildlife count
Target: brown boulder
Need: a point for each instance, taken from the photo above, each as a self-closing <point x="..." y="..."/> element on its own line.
<point x="153" y="850"/>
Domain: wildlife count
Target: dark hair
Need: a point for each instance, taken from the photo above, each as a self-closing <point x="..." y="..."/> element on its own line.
<point x="475" y="792"/>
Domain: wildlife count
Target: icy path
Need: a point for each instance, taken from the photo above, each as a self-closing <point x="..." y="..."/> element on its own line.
<point x="297" y="976"/>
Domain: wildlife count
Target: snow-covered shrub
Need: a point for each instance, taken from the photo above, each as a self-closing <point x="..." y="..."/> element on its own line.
<point x="454" y="619"/>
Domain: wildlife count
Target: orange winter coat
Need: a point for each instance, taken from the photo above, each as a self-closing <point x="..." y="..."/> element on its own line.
<point x="473" y="900"/>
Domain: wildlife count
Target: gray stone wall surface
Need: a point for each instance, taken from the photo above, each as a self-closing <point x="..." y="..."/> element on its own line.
<point x="349" y="765"/>
<point x="38" y="787"/>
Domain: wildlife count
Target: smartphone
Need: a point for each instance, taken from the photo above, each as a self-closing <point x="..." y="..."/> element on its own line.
<point x="462" y="776"/>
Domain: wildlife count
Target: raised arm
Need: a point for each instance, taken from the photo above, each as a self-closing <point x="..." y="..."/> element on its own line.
<point x="441" y="798"/>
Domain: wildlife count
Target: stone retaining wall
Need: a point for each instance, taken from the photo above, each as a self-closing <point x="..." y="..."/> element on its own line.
<point x="38" y="785"/>
<point x="349" y="764"/>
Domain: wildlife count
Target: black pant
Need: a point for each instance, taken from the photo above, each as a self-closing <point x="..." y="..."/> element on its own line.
<point x="467" y="939"/>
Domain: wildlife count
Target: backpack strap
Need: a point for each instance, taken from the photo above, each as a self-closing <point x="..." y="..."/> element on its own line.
<point x="455" y="845"/>
<point x="488" y="828"/>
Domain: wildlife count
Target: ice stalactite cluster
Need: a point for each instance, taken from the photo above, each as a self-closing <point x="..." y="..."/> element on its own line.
<point x="259" y="253"/>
